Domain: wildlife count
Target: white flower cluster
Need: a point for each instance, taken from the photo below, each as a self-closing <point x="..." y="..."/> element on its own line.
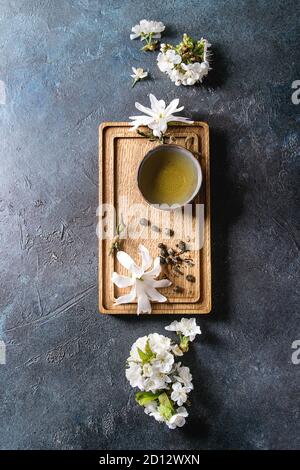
<point x="145" y="27"/>
<point x="164" y="384"/>
<point x="185" y="64"/>
<point x="147" y="31"/>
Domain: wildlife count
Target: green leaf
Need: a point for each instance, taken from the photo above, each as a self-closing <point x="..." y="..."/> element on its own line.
<point x="146" y="355"/>
<point x="143" y="398"/>
<point x="166" y="408"/>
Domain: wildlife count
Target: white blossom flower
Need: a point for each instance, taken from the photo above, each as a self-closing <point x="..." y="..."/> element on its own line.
<point x="158" y="116"/>
<point x="186" y="326"/>
<point x="138" y="74"/>
<point x="151" y="410"/>
<point x="159" y="344"/>
<point x="157" y="381"/>
<point x="178" y="419"/>
<point x="194" y="72"/>
<point x="166" y="61"/>
<point x="179" y="393"/>
<point x="164" y="362"/>
<point x="187" y="63"/>
<point x="134" y="375"/>
<point x="146" y="27"/>
<point x="163" y="384"/>
<point x="184" y="376"/>
<point x="176" y="76"/>
<point x="140" y="343"/>
<point x="142" y="281"/>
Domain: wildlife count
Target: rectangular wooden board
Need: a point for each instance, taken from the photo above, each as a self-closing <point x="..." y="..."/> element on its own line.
<point x="120" y="152"/>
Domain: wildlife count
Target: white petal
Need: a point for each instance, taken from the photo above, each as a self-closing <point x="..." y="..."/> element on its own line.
<point x="172" y="106"/>
<point x="134" y="36"/>
<point x="127" y="298"/>
<point x="180" y="119"/>
<point x="144" y="109"/>
<point x="155" y="271"/>
<point x="161" y="283"/>
<point x="146" y="257"/>
<point x="154" y="295"/>
<point x="144" y="305"/>
<point x="154" y="102"/>
<point x="128" y="263"/>
<point x="121" y="281"/>
<point x="134" y="70"/>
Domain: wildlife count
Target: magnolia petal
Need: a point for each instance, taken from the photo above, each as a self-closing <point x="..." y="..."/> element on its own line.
<point x="143" y="302"/>
<point x="181" y="119"/>
<point x="154" y="102"/>
<point x="172" y="106"/>
<point x="146" y="257"/>
<point x="128" y="263"/>
<point x="144" y="109"/>
<point x="161" y="283"/>
<point x="127" y="298"/>
<point x="154" y="295"/>
<point x="155" y="271"/>
<point x="121" y="281"/>
<point x="156" y="105"/>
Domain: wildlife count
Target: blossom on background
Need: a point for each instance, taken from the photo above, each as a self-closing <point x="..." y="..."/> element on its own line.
<point x="163" y="383"/>
<point x="186" y="326"/>
<point x="142" y="280"/>
<point x="138" y="74"/>
<point x="158" y="116"/>
<point x="146" y="27"/>
<point x="187" y="63"/>
<point x="178" y="419"/>
<point x="147" y="31"/>
<point x="167" y="61"/>
<point x="179" y="393"/>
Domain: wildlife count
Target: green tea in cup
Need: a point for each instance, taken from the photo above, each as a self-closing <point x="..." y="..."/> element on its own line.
<point x="170" y="175"/>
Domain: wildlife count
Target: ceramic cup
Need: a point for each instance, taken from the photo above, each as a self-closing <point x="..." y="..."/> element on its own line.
<point x="152" y="154"/>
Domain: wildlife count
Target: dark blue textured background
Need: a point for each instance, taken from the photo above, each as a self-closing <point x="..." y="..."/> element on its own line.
<point x="66" y="67"/>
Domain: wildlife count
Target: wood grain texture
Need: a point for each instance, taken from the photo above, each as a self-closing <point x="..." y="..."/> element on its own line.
<point x="120" y="151"/>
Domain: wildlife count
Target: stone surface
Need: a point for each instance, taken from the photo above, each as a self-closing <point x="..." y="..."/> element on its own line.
<point x="64" y="68"/>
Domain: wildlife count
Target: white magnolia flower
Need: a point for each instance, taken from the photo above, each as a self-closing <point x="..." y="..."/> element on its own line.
<point x="142" y="281"/>
<point x="138" y="74"/>
<point x="178" y="419"/>
<point x="166" y="61"/>
<point x="158" y="116"/>
<point x="144" y="28"/>
<point x="179" y="393"/>
<point x="184" y="376"/>
<point x="186" y="326"/>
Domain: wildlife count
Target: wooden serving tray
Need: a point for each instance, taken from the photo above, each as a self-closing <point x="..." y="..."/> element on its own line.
<point x="120" y="151"/>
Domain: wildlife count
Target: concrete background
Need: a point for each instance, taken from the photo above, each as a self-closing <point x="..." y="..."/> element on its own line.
<point x="65" y="68"/>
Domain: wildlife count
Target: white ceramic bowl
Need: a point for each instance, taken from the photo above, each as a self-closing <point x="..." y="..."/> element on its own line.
<point x="186" y="153"/>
